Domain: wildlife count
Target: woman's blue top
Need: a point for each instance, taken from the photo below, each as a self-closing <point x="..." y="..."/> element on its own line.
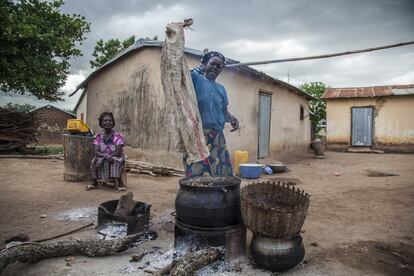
<point x="211" y="98"/>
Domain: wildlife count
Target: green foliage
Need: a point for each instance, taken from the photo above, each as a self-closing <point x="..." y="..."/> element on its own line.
<point x="73" y="111"/>
<point x="18" y="107"/>
<point x="37" y="42"/>
<point x="105" y="51"/>
<point x="154" y="38"/>
<point x="318" y="107"/>
<point x="47" y="150"/>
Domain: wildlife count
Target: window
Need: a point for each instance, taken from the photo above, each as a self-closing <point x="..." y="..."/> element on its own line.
<point x="302" y="113"/>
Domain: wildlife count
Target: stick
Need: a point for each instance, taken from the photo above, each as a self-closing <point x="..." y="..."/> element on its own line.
<point x="322" y="56"/>
<point x="64" y="234"/>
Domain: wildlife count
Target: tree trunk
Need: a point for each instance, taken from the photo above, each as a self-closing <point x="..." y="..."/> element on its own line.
<point x="33" y="252"/>
<point x="79" y="151"/>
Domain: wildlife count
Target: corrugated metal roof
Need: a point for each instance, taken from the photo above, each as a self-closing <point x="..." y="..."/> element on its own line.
<point x="140" y="43"/>
<point x="368" y="92"/>
<point x="51" y="106"/>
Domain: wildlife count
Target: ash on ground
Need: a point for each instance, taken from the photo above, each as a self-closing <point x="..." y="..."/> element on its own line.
<point x="128" y="269"/>
<point x="78" y="214"/>
<point x="111" y="230"/>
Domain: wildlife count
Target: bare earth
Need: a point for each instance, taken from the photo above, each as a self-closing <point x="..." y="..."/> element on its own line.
<point x="361" y="225"/>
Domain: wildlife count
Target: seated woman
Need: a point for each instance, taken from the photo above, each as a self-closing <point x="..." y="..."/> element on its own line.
<point x="109" y="158"/>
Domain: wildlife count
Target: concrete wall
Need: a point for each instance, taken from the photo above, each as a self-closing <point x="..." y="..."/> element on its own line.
<point x="131" y="88"/>
<point x="81" y="112"/>
<point x="393" y="122"/>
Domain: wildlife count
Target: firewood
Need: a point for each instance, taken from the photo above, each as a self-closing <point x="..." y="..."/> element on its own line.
<point x="17" y="129"/>
<point x="165" y="270"/>
<point x="140" y="167"/>
<point x="125" y="206"/>
<point x="33" y="252"/>
<point x="191" y="262"/>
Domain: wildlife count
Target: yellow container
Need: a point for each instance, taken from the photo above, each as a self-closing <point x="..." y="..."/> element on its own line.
<point x="76" y="125"/>
<point x="240" y="157"/>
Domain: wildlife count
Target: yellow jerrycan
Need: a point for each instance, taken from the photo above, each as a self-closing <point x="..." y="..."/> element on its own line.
<point x="240" y="157"/>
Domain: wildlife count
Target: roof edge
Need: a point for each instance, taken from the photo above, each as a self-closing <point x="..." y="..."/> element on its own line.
<point x="52" y="106"/>
<point x="141" y="43"/>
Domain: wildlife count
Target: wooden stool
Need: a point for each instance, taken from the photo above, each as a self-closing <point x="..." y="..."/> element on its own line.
<point x="112" y="181"/>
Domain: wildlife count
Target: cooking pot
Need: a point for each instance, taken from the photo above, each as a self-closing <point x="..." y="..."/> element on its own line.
<point x="277" y="254"/>
<point x="209" y="201"/>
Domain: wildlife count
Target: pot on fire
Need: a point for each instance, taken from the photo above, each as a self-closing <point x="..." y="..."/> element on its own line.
<point x="209" y="201"/>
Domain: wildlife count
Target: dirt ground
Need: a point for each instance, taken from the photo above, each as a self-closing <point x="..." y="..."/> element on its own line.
<point x="360" y="225"/>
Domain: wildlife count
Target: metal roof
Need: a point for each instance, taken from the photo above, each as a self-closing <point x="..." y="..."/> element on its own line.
<point x="140" y="43"/>
<point x="51" y="106"/>
<point x="368" y="92"/>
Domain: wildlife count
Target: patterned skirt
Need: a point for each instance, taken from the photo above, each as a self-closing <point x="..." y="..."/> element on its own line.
<point x="102" y="169"/>
<point x="217" y="164"/>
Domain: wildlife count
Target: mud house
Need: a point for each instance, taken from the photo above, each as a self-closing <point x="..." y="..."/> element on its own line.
<point x="52" y="123"/>
<point x="379" y="117"/>
<point x="272" y="113"/>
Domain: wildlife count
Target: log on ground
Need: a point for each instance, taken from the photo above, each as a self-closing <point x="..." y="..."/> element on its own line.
<point x="33" y="251"/>
<point x="194" y="261"/>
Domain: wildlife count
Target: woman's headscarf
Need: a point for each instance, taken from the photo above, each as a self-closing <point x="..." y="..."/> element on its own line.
<point x="211" y="54"/>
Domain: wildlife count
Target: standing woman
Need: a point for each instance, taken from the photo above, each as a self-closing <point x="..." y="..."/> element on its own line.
<point x="212" y="102"/>
<point x="109" y="157"/>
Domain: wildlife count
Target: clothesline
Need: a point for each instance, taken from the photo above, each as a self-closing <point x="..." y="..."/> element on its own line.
<point x="322" y="56"/>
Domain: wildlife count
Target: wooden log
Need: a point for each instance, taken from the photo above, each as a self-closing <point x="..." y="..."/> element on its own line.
<point x="194" y="261"/>
<point x="126" y="205"/>
<point x="33" y="252"/>
<point x="140" y="167"/>
<point x="29" y="156"/>
<point x="78" y="152"/>
<point x="165" y="270"/>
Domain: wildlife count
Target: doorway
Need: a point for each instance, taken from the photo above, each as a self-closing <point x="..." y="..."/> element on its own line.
<point x="265" y="109"/>
<point x="362" y="126"/>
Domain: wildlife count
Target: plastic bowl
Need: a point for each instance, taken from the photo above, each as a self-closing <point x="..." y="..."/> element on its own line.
<point x="278" y="168"/>
<point x="251" y="171"/>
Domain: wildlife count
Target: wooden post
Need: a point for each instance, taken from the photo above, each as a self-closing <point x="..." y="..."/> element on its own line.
<point x="78" y="152"/>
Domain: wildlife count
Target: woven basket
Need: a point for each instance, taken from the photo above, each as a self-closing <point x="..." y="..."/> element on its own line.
<point x="273" y="209"/>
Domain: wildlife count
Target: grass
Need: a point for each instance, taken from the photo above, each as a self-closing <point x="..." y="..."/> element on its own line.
<point x="47" y="150"/>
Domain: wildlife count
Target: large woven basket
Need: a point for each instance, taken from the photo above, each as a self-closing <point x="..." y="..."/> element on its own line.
<point x="273" y="209"/>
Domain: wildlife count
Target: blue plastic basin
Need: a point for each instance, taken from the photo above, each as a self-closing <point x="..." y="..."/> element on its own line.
<point x="251" y="171"/>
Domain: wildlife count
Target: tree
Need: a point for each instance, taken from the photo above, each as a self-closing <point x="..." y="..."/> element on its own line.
<point x="18" y="107"/>
<point x="37" y="42"/>
<point x="105" y="51"/>
<point x="317" y="107"/>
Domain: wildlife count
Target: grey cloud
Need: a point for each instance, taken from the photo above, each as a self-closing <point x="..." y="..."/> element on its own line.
<point x="319" y="26"/>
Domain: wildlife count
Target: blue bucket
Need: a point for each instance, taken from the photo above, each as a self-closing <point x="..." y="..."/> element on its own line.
<point x="251" y="171"/>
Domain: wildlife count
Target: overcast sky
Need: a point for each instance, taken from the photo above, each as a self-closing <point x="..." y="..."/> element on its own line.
<point x="267" y="29"/>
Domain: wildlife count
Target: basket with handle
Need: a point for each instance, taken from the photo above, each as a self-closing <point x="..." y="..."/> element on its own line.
<point x="273" y="209"/>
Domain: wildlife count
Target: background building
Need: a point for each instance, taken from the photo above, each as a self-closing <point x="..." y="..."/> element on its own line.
<point x="269" y="110"/>
<point x="379" y="117"/>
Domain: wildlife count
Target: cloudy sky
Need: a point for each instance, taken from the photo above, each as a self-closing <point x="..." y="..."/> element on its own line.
<point x="267" y="29"/>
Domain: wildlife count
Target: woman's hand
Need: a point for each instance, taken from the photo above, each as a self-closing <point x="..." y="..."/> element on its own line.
<point x="234" y="124"/>
<point x="109" y="158"/>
